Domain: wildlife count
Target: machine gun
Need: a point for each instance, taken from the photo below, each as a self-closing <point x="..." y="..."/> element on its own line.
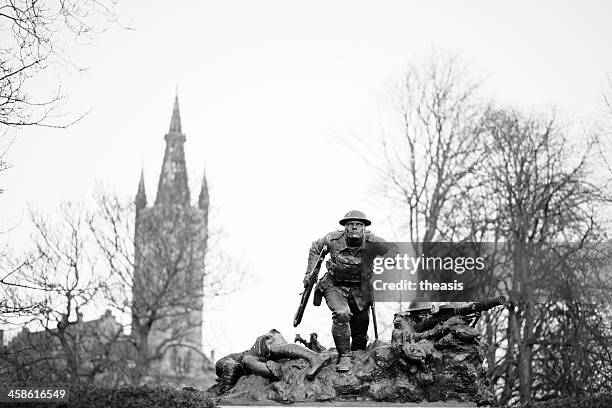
<point x="313" y="275"/>
<point x="428" y="318"/>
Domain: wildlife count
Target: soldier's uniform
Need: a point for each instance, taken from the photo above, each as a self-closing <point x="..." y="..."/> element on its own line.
<point x="346" y="286"/>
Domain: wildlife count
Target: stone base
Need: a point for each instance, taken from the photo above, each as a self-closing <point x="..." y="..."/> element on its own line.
<point x="354" y="404"/>
<point x="376" y="376"/>
<point x="445" y="365"/>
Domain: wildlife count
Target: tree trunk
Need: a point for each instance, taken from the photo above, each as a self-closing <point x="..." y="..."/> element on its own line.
<point x="525" y="354"/>
<point x="510" y="362"/>
<point x="71" y="359"/>
<point x="143" y="356"/>
<point x="524" y="328"/>
<point x="490" y="352"/>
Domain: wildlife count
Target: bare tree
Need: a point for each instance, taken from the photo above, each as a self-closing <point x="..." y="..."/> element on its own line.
<point x="426" y="150"/>
<point x="427" y="147"/>
<point x="36" y="37"/>
<point x="91" y="260"/>
<point x="52" y="288"/>
<point x="465" y="172"/>
<point x="179" y="271"/>
<point x="543" y="194"/>
<point x="38" y="40"/>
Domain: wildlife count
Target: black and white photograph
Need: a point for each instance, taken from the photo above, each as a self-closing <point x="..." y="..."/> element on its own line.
<point x="305" y="203"/>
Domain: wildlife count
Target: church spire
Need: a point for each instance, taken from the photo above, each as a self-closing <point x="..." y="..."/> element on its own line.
<point x="141" y="196"/>
<point x="173" y="186"/>
<point x="175" y="122"/>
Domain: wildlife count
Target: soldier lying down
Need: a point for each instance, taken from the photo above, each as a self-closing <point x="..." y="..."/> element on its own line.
<point x="261" y="360"/>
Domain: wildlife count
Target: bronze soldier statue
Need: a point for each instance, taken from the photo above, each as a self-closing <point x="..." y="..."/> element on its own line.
<point x="346" y="285"/>
<point x="261" y="358"/>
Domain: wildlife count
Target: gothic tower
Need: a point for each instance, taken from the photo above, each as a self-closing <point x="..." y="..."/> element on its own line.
<point x="170" y="246"/>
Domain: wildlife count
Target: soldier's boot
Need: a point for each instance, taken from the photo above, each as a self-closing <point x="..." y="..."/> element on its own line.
<point x="341" y="332"/>
<point x="316" y="360"/>
<point x="344" y="363"/>
<point x="269" y="369"/>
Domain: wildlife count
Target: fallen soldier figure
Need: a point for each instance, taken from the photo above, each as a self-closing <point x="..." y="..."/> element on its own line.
<point x="261" y="359"/>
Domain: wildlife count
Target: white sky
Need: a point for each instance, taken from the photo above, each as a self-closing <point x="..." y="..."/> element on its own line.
<point x="266" y="88"/>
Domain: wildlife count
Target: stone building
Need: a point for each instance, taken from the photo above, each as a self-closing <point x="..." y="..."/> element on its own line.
<point x="170" y="247"/>
<point x="98" y="348"/>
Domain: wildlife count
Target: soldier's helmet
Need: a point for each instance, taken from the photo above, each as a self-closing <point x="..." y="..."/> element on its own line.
<point x="355" y="215"/>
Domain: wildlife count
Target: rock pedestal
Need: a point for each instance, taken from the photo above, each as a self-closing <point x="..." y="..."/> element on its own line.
<point x="446" y="365"/>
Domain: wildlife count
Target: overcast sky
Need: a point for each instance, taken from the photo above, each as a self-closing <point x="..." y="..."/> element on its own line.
<point x="266" y="90"/>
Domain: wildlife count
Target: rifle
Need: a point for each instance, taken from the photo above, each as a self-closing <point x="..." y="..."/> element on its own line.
<point x="308" y="289"/>
<point x="437" y="314"/>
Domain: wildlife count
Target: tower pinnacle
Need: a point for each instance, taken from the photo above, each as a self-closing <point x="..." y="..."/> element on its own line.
<point x="175" y="122"/>
<point x="141" y="196"/>
<point x="203" y="198"/>
<point x="173" y="187"/>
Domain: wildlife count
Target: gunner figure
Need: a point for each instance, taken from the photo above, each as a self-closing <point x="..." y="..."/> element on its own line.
<point x="346" y="285"/>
